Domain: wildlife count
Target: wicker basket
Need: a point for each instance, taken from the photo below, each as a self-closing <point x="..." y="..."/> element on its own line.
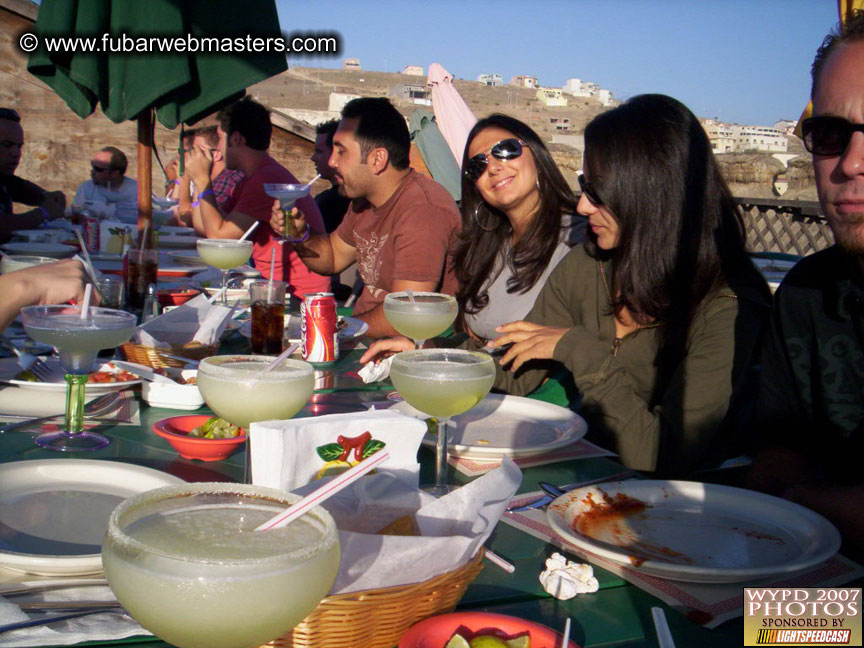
<point x="378" y="618"/>
<point x="152" y="357"/>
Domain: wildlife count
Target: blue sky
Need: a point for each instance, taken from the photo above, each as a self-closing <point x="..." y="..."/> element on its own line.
<point x="744" y="61"/>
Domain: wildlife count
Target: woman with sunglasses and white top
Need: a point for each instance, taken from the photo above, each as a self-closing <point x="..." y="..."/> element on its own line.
<point x="517" y="224"/>
<point x="659" y="315"/>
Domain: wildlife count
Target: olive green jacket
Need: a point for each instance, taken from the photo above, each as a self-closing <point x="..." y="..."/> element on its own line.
<point x="688" y="424"/>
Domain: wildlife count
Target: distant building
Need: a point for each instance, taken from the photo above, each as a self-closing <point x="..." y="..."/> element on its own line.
<point x="351" y="64"/>
<point x="579" y="88"/>
<point x="760" y="138"/>
<point x="338" y="100"/>
<point x="786" y="125"/>
<point x="560" y="123"/>
<point x="524" y="81"/>
<point x="732" y="138"/>
<point x="416" y="70"/>
<point x="721" y="136"/>
<point x="414" y="93"/>
<point x="551" y="97"/>
<point x="490" y="79"/>
<point x="574" y="87"/>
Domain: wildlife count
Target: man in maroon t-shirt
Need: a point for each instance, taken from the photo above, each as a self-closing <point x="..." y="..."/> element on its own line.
<point x="244" y="137"/>
<point x="400" y="225"/>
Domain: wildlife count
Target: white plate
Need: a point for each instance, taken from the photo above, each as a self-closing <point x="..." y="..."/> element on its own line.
<point x="507" y="425"/>
<point x="167" y="230"/>
<point x="353" y="328"/>
<point x="176" y="241"/>
<point x="9" y="369"/>
<point x="54" y="512"/>
<point x="189" y="258"/>
<point x="41" y="235"/>
<point x="53" y="250"/>
<point x="695" y="532"/>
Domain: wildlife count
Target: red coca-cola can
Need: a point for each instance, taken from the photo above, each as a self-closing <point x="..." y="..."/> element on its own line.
<point x="91" y="231"/>
<point x="318" y="327"/>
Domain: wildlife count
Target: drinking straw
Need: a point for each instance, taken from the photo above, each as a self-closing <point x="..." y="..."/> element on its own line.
<point x="287" y="352"/>
<point x="312" y="181"/>
<point x="216" y="295"/>
<point x="144" y="236"/>
<point x="272" y="268"/>
<point x="88" y="264"/>
<point x="85" y="305"/>
<point x="566" y="642"/>
<point x="498" y="561"/>
<point x="410" y="294"/>
<point x="325" y="492"/>
<point x="249" y="231"/>
<point x="664" y="635"/>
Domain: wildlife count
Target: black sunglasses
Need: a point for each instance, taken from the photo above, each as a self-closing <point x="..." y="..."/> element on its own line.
<point x="828" y="135"/>
<point x="589" y="191"/>
<point x="506" y="149"/>
<point x="99" y="169"/>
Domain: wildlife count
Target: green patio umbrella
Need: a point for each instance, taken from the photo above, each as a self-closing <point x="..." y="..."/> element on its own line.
<point x="181" y="86"/>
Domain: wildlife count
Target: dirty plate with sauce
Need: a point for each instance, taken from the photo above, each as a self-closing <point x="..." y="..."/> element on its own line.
<point x="694" y="532"/>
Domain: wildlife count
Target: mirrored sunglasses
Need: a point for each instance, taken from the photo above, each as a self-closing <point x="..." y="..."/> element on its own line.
<point x="828" y="135"/>
<point x="507" y="149"/>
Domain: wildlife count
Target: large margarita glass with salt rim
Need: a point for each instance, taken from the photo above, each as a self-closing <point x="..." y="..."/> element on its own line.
<point x="78" y="340"/>
<point x="420" y="315"/>
<point x="186" y="563"/>
<point x="442" y="383"/>
<point x="224" y="254"/>
<point x="237" y="389"/>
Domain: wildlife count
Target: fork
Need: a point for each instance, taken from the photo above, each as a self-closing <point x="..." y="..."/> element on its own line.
<point x="39" y="368"/>
<point x="59" y="617"/>
<point x="101" y="405"/>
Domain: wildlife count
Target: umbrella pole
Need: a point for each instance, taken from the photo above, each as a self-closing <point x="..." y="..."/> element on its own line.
<point x="145" y="165"/>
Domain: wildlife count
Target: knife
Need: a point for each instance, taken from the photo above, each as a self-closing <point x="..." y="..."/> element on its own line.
<point x="143" y="372"/>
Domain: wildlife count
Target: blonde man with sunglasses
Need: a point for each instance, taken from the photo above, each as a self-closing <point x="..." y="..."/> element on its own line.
<point x="811" y="415"/>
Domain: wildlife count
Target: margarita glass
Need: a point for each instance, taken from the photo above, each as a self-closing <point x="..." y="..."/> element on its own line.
<point x="426" y="315"/>
<point x="442" y="383"/>
<point x="224" y="254"/>
<point x="288" y="195"/>
<point x="78" y="341"/>
<point x="186" y="563"/>
<point x="237" y="389"/>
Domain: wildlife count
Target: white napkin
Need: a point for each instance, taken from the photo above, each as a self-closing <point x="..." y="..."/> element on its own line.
<point x="453" y="529"/>
<point x="290" y="454"/>
<point x="372" y="372"/>
<point x="564" y="578"/>
<point x="197" y="320"/>
<point x="96" y="627"/>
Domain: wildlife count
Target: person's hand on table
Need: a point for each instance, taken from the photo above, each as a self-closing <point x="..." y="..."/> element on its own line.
<point x="55" y="283"/>
<point x="54" y="203"/>
<point x="386" y="347"/>
<point x="529" y="342"/>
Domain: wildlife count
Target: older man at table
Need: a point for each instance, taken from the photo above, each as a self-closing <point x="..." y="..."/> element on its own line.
<point x="244" y="136"/>
<point x="811" y="406"/>
<point x="400" y="225"/>
<point x="48" y="204"/>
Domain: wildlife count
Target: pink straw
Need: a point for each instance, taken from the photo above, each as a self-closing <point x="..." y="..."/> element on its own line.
<point x="497" y="560"/>
<point x="325" y="492"/>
